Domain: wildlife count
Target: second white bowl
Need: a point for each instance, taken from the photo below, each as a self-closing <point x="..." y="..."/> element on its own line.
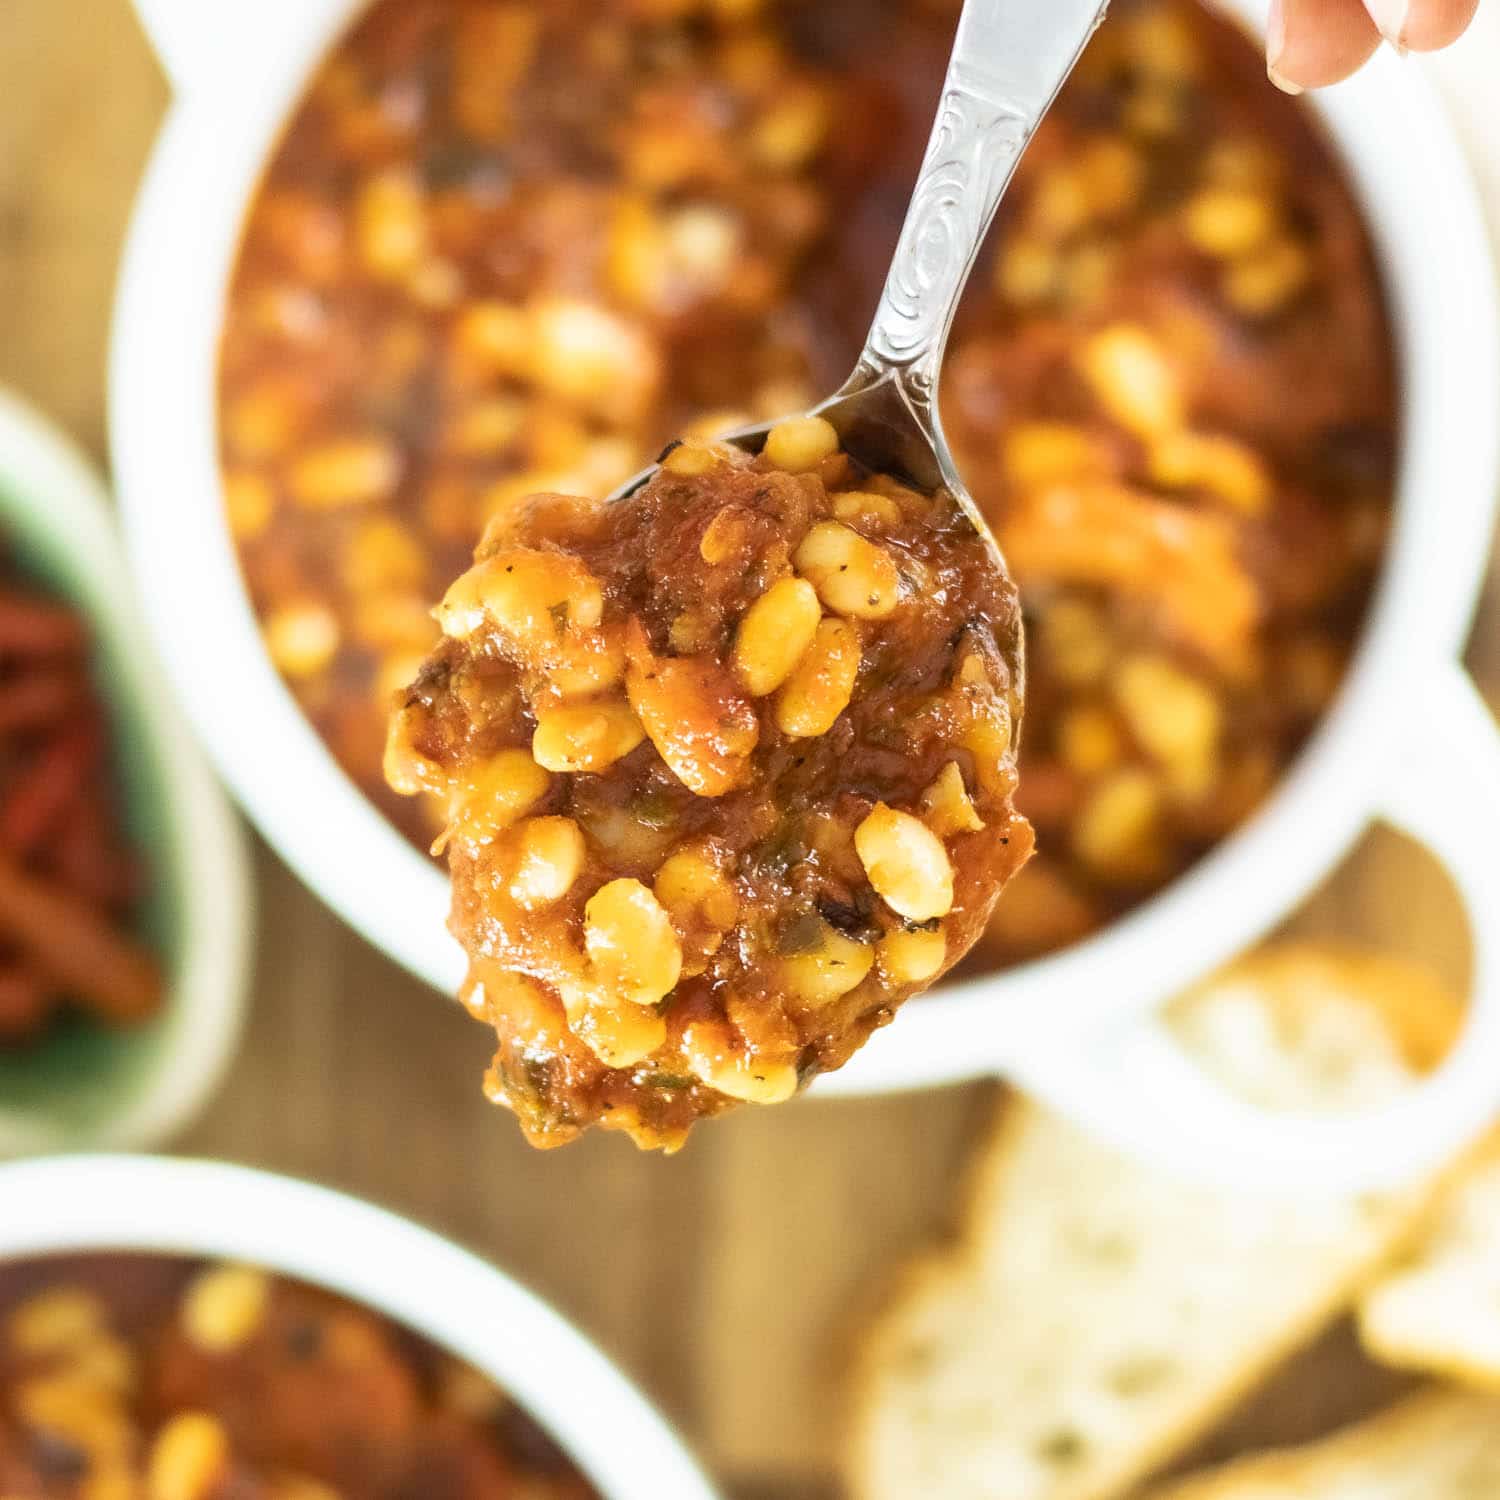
<point x="454" y="1299"/>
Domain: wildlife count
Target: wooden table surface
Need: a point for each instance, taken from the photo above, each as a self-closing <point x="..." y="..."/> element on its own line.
<point x="725" y="1280"/>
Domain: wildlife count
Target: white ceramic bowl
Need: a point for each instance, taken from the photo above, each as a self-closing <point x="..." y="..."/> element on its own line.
<point x="1405" y="740"/>
<point x="461" y="1304"/>
<point x="85" y="1085"/>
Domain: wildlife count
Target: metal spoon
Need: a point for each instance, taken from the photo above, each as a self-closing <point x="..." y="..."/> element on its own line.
<point x="1009" y="59"/>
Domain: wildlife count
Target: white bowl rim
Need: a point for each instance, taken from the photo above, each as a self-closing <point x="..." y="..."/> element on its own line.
<point x="375" y="1257"/>
<point x="1421" y="207"/>
<point x="201" y="851"/>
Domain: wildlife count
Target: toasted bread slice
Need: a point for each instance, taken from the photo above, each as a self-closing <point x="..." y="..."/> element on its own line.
<point x="1439" y="1310"/>
<point x="1319" y="1027"/>
<point x="1096" y="1315"/>
<point x="1441" y="1445"/>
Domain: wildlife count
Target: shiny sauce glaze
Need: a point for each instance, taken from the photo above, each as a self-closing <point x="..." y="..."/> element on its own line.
<point x="729" y="774"/>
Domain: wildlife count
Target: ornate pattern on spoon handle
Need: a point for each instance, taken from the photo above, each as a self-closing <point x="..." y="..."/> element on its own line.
<point x="1009" y="59"/>
<point x="976" y="142"/>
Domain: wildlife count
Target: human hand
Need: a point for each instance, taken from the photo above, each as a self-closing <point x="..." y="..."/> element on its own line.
<point x="1313" y="42"/>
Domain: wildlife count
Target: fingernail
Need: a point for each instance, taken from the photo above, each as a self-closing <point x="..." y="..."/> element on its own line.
<point x="1275" y="46"/>
<point x="1389" y="17"/>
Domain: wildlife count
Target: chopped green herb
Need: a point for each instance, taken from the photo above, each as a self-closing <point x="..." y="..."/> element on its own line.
<point x="653" y="808"/>
<point x="1137" y="1377"/>
<point x="803" y="934"/>
<point x="1061" y="1447"/>
<point x="781" y="851"/>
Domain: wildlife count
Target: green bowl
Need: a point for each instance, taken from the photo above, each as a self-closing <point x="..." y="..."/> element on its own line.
<point x="87" y="1085"/>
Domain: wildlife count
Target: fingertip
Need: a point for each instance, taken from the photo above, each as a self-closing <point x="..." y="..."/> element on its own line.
<point x="1286" y="85"/>
<point x="1313" y="43"/>
<point x="1434" y="24"/>
<point x="1276" y="48"/>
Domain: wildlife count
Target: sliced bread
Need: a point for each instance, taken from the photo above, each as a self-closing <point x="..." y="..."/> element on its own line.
<point x="1438" y="1311"/>
<point x="1096" y="1316"/>
<point x="1441" y="1445"/>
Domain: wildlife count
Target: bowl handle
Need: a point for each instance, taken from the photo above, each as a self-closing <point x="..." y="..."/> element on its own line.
<point x="197" y="39"/>
<point x="1138" y="1089"/>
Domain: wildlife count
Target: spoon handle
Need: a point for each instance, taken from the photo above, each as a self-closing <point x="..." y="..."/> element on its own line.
<point x="1009" y="60"/>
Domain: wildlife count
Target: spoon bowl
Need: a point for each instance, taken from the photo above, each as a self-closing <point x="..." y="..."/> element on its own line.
<point x="879" y="428"/>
